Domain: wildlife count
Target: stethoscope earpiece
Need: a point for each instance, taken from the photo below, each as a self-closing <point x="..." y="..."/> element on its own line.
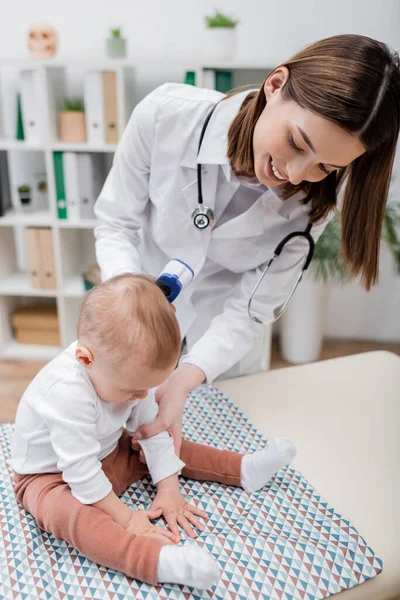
<point x="203" y="217"/>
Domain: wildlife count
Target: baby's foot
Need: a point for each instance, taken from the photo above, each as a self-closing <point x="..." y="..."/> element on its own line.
<point x="258" y="468"/>
<point x="188" y="565"/>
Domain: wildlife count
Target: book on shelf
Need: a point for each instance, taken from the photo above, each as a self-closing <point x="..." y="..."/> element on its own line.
<point x="19" y="129"/>
<point x="60" y="185"/>
<point x="79" y="179"/>
<point x="33" y="257"/>
<point x="101" y="106"/>
<point x="91" y="177"/>
<point x="190" y="78"/>
<point x="110" y="106"/>
<point x="40" y="257"/>
<point x="5" y="190"/>
<point x="71" y="182"/>
<point x="46" y="259"/>
<point x="216" y="79"/>
<point x="31" y="105"/>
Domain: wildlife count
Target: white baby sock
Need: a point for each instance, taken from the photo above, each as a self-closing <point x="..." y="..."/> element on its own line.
<point x="258" y="468"/>
<point x="188" y="565"/>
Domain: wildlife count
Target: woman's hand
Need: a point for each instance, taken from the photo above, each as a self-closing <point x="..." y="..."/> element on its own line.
<point x="139" y="524"/>
<point x="171" y="398"/>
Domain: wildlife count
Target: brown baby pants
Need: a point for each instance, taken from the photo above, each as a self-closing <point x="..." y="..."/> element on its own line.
<point x="94" y="533"/>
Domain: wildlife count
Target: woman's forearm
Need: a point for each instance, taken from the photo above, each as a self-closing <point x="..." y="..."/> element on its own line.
<point x="187" y="377"/>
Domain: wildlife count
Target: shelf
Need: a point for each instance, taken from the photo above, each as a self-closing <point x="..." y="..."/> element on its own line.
<point x="29" y="162"/>
<point x="54" y="146"/>
<point x="81" y="147"/>
<point x="45" y="219"/>
<point x="25" y="219"/>
<point x="233" y="66"/>
<point x="18" y="284"/>
<point x="77" y="224"/>
<point x="10" y="144"/>
<point x="16" y="351"/>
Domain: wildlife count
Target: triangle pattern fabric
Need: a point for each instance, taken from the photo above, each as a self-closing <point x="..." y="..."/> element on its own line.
<point x="283" y="541"/>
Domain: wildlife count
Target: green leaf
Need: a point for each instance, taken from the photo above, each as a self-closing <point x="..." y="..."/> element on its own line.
<point x="220" y="20"/>
<point x="72" y="105"/>
<point x="327" y="263"/>
<point x="116" y="33"/>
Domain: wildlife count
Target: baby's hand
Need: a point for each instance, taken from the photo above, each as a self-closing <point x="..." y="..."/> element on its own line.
<point x="139" y="524"/>
<point x="177" y="510"/>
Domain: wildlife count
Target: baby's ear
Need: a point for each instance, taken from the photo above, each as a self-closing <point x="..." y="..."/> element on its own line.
<point x="84" y="356"/>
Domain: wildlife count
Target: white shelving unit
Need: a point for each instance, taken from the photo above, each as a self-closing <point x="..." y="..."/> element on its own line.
<point x="73" y="240"/>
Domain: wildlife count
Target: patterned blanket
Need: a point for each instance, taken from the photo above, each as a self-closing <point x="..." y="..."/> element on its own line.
<point x="284" y="541"/>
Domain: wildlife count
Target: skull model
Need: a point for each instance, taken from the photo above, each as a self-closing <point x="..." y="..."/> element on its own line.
<point x="42" y="41"/>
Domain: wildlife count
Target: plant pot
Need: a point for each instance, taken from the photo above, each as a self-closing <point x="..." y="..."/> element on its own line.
<point x="72" y="126"/>
<point x="220" y="43"/>
<point x="116" y="47"/>
<point x="301" y="325"/>
<point x="25" y="197"/>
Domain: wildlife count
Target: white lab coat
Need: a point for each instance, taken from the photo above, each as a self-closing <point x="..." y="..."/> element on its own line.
<point x="145" y="220"/>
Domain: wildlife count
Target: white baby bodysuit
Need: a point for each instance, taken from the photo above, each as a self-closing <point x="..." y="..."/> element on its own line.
<point x="62" y="425"/>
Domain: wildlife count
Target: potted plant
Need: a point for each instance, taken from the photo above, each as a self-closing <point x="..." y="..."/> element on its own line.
<point x="115" y="44"/>
<point x="72" y="126"/>
<point x="42" y="186"/>
<point x="25" y="194"/>
<point x="302" y="324"/>
<point x="41" y="194"/>
<point x="221" y="36"/>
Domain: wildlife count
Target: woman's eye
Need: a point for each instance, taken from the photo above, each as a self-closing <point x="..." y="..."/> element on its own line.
<point x="293" y="144"/>
<point x="324" y="170"/>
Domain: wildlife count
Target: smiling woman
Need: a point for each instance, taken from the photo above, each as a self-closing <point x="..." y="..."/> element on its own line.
<point x="330" y="113"/>
<point x="269" y="163"/>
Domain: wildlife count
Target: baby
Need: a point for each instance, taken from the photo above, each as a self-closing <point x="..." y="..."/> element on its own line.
<point x="72" y="450"/>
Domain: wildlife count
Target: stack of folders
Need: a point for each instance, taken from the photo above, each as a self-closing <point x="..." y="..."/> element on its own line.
<point x="40" y="257"/>
<point x="79" y="177"/>
<point x="101" y="107"/>
<point x="5" y="192"/>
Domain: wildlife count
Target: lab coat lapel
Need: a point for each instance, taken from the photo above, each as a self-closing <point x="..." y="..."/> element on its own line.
<point x="250" y="223"/>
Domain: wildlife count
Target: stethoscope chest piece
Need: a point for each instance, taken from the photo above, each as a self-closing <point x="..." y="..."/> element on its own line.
<point x="203" y="217"/>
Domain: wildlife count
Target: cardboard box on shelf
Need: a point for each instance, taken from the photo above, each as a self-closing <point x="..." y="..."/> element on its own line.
<point x="37" y="325"/>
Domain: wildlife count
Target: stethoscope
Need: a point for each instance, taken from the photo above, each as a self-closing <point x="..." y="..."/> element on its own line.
<point x="203" y="217"/>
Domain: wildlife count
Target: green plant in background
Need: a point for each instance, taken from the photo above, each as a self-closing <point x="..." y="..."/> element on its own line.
<point x="391" y="229"/>
<point x="220" y="20"/>
<point x="327" y="264"/>
<point x="72" y="105"/>
<point x="116" y="33"/>
<point x="24" y="189"/>
<point x="24" y="192"/>
<point x="42" y="185"/>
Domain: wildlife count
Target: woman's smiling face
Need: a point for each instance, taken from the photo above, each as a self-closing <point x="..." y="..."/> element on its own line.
<point x="293" y="144"/>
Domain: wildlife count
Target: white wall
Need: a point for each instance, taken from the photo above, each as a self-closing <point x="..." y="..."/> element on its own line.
<point x="170" y="32"/>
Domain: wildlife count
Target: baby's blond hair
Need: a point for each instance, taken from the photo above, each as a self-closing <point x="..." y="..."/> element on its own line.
<point x="129" y="316"/>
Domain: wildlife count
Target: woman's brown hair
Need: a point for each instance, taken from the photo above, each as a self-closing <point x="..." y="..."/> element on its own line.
<point x="353" y="81"/>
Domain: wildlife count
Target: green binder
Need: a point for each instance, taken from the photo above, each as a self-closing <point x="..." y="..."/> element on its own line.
<point x="19" y="134"/>
<point x="60" y="187"/>
<point x="190" y="77"/>
<point x="223" y="81"/>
